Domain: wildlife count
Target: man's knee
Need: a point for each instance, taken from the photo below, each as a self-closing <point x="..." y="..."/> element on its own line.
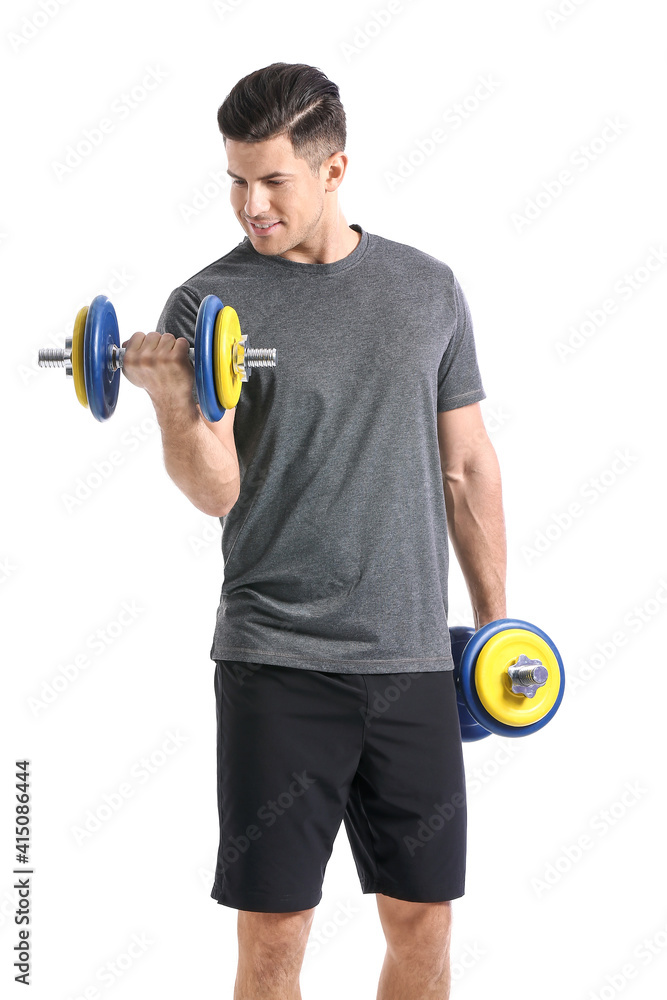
<point x="405" y="922"/>
<point x="275" y="934"/>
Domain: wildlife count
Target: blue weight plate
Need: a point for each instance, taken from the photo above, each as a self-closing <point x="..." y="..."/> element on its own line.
<point x="204" y="361"/>
<point x="471" y="731"/>
<point x="102" y="384"/>
<point x="469" y="691"/>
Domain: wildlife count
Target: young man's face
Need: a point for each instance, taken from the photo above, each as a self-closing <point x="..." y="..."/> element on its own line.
<point x="271" y="185"/>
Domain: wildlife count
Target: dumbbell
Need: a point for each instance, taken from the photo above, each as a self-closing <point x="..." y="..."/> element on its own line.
<point x="222" y="357"/>
<point x="509" y="678"/>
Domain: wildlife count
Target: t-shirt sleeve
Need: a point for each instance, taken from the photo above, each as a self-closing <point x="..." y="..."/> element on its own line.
<point x="459" y="378"/>
<point x="179" y="317"/>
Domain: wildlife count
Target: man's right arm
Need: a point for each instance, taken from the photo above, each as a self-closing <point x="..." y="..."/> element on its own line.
<point x="200" y="456"/>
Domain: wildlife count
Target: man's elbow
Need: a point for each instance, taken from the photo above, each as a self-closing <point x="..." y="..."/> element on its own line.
<point x="453" y="477"/>
<point x="226" y="509"/>
<point x="223" y="509"/>
<point x="468" y="467"/>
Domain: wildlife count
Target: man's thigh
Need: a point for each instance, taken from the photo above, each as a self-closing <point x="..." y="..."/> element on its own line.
<point x="406" y="818"/>
<point x="288" y="745"/>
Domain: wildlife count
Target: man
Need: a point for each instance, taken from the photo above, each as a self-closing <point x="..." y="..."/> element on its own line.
<point x="336" y="478"/>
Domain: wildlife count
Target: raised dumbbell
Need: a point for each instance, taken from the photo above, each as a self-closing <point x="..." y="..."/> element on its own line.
<point x="222" y="357"/>
<point x="509" y="678"/>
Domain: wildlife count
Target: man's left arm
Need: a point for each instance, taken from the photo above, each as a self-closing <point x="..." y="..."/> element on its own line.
<point x="473" y="501"/>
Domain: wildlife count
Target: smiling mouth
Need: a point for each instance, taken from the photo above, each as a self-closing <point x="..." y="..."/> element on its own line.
<point x="264" y="228"/>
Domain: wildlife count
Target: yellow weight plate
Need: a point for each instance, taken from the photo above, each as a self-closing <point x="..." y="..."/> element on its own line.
<point x="493" y="683"/>
<point x="227" y="333"/>
<point x="77" y="356"/>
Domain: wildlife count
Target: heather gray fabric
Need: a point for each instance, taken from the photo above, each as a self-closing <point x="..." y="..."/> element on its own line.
<point x="336" y="551"/>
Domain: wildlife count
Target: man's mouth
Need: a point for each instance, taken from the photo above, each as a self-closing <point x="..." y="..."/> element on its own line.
<point x="264" y="228"/>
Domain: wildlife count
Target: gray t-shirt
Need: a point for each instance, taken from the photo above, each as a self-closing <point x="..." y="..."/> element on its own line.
<point x="336" y="551"/>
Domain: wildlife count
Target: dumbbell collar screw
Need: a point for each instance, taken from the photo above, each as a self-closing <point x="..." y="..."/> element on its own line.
<point x="238" y="358"/>
<point x="527" y="676"/>
<point x="68" y="357"/>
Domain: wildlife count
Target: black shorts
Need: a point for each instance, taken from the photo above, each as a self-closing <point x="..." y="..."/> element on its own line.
<point x="300" y="750"/>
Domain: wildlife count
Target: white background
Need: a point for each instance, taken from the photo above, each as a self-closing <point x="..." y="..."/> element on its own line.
<point x="541" y="916"/>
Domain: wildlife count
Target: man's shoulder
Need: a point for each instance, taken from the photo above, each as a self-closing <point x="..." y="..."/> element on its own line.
<point x="405" y="256"/>
<point x="233" y="262"/>
<point x="182" y="304"/>
<point x="186" y="297"/>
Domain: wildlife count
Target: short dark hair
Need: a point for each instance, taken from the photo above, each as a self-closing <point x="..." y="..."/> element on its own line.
<point x="291" y="99"/>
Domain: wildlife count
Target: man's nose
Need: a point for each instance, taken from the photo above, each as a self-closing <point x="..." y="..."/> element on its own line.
<point x="257" y="204"/>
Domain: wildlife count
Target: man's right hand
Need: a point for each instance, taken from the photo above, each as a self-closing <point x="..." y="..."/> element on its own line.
<point x="159" y="363"/>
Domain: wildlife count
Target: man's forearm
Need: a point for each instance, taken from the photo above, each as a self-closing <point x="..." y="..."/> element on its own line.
<point x="476" y="524"/>
<point x="196" y="460"/>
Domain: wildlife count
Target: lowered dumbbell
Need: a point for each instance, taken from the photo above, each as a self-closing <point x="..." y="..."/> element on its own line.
<point x="509" y="678"/>
<point x="222" y="357"/>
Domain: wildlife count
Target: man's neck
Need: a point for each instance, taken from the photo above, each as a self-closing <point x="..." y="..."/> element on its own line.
<point x="341" y="243"/>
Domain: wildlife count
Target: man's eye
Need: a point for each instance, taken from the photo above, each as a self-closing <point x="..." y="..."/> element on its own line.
<point x="236" y="181"/>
